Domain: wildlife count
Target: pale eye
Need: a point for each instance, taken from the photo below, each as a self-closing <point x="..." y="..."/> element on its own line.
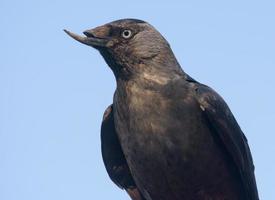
<point x="126" y="34"/>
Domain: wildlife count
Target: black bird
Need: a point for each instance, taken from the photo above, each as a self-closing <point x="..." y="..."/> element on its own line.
<point x="166" y="136"/>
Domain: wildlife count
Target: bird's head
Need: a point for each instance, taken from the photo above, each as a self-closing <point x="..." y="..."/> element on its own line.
<point x="129" y="46"/>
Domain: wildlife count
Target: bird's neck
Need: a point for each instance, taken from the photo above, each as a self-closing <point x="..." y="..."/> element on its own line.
<point x="148" y="80"/>
<point x="159" y="70"/>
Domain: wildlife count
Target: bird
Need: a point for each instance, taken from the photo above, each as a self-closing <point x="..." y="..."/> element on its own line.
<point x="166" y="136"/>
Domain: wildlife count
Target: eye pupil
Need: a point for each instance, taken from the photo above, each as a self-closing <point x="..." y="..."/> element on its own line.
<point x="126" y="33"/>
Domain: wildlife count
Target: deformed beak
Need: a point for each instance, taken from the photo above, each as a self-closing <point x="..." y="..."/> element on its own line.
<point x="89" y="39"/>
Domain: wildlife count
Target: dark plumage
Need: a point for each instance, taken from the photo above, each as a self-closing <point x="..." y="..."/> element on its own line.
<point x="166" y="136"/>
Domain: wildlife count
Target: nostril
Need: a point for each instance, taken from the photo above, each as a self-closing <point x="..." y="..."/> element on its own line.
<point x="88" y="34"/>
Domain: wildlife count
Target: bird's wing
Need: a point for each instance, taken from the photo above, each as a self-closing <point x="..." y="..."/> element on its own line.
<point x="229" y="134"/>
<point x="114" y="159"/>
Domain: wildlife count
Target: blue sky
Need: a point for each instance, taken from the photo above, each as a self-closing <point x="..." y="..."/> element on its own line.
<point x="53" y="90"/>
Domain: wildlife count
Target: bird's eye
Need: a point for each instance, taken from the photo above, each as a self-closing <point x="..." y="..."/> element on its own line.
<point x="126" y="34"/>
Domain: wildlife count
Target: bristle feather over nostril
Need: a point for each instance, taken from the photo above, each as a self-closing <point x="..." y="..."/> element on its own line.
<point x="88" y="34"/>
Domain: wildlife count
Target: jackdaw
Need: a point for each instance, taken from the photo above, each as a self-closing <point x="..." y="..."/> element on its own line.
<point x="166" y="136"/>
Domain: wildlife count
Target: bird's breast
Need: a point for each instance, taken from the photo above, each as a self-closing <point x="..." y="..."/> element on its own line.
<point x="153" y="125"/>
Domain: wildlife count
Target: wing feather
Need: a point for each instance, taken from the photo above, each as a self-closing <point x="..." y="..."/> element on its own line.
<point x="226" y="127"/>
<point x="113" y="157"/>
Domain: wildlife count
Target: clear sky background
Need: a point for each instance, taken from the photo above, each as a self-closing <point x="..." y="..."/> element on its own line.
<point x="54" y="90"/>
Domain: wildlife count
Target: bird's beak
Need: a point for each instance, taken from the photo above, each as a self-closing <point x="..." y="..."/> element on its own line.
<point x="89" y="39"/>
